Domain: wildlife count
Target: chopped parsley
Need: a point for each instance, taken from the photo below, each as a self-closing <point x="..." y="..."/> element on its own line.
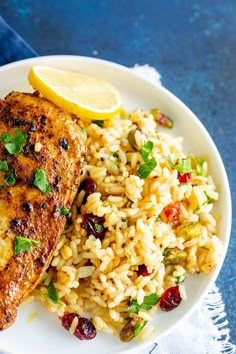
<point x="64" y="210"/>
<point x="24" y="244"/>
<point x="146" y="168"/>
<point x="182" y="165"/>
<point x="166" y="251"/>
<point x="149" y="165"/>
<point x="207" y="201"/>
<point x="40" y="181"/>
<point x="98" y="122"/>
<point x="52" y="294"/>
<point x="198" y="164"/>
<point x="205" y="248"/>
<point x="124" y="220"/>
<point x="9" y="178"/>
<point x="3" y="166"/>
<point x="14" y="144"/>
<point x="146" y="150"/>
<point x="115" y="154"/>
<point x="179" y="279"/>
<point x="83" y="130"/>
<point x="98" y="227"/>
<point x="148" y="302"/>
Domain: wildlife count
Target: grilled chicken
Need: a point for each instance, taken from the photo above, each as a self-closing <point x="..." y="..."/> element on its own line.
<point x="30" y="207"/>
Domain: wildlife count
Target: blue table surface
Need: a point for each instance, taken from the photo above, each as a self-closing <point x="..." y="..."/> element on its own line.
<point x="191" y="43"/>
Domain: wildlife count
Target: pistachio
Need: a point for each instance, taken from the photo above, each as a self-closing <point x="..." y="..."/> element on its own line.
<point x="174" y="256"/>
<point x="190" y="230"/>
<point x="132" y="139"/>
<point x="131" y="329"/>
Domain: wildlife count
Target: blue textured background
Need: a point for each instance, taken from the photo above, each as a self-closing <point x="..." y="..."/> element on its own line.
<point x="191" y="43"/>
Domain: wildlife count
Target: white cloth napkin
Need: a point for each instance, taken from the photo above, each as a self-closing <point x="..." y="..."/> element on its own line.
<point x="206" y="330"/>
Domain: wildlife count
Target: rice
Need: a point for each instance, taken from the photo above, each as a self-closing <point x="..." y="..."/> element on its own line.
<point x="99" y="278"/>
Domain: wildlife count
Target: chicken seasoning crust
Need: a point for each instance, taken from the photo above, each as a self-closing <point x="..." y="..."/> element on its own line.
<point x="42" y="149"/>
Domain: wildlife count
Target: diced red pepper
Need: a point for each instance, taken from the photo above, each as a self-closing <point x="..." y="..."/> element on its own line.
<point x="184" y="177"/>
<point x="172" y="211"/>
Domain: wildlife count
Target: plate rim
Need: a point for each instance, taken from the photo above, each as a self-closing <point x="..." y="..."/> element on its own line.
<point x="217" y="269"/>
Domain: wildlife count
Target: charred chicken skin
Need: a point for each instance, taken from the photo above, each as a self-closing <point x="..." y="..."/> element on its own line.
<point x="41" y="159"/>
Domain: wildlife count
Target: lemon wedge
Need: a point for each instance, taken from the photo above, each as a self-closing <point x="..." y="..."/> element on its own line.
<point x="86" y="96"/>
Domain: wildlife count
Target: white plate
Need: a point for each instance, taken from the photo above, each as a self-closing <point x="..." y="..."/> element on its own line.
<point x="44" y="334"/>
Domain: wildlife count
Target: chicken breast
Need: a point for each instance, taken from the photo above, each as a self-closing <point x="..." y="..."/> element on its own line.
<point x="42" y="149"/>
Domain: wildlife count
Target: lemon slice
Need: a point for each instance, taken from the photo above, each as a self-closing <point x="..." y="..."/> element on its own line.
<point x="86" y="96"/>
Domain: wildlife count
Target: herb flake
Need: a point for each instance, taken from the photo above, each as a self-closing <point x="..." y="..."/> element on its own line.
<point x="14" y="144"/>
<point x="41" y="182"/>
<point x="98" y="122"/>
<point x="83" y="130"/>
<point x="52" y="294"/>
<point x="146" y="150"/>
<point x="148" y="302"/>
<point x="146" y="168"/>
<point x="9" y="178"/>
<point x="115" y="154"/>
<point x="98" y="227"/>
<point x="3" y="166"/>
<point x="24" y="244"/>
<point x="64" y="210"/>
<point x="182" y="165"/>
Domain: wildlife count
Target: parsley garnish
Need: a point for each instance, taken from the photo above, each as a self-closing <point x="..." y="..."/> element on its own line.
<point x="166" y="251"/>
<point x="98" y="227"/>
<point x="40" y="181"/>
<point x="148" y="302"/>
<point x="10" y="179"/>
<point x="24" y="244"/>
<point x="198" y="165"/>
<point x="146" y="168"/>
<point x="98" y="122"/>
<point x="14" y="144"/>
<point x="182" y="165"/>
<point x="205" y="248"/>
<point x="125" y="221"/>
<point x="52" y="294"/>
<point x="64" y="210"/>
<point x="83" y="130"/>
<point x="158" y="219"/>
<point x="3" y="166"/>
<point x="207" y="201"/>
<point x="179" y="279"/>
<point x="146" y="150"/>
<point x="115" y="154"/>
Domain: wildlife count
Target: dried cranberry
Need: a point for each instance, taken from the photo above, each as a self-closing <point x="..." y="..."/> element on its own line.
<point x="170" y="299"/>
<point x="94" y="225"/>
<point x="184" y="177"/>
<point x="142" y="270"/>
<point x="89" y="186"/>
<point x="84" y="329"/>
<point x="172" y="211"/>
